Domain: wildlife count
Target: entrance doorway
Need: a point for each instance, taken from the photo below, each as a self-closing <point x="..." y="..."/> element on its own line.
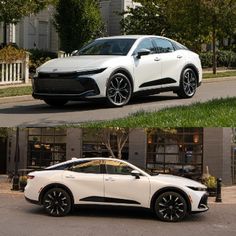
<point x="3" y="155"/>
<point x="234" y="165"/>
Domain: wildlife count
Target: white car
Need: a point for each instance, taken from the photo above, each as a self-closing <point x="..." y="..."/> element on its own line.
<point x="108" y="181"/>
<point x="117" y="68"/>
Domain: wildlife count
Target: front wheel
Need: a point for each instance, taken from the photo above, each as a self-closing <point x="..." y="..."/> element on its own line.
<point x="57" y="202"/>
<point x="188" y="84"/>
<point x="55" y="102"/>
<point x="170" y="207"/>
<point x="119" y="90"/>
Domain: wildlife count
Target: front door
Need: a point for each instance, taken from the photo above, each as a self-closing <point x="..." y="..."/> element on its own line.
<point x="123" y="188"/>
<point x="147" y="69"/>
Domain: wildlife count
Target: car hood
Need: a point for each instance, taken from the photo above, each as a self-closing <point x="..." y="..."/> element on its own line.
<point x="76" y="63"/>
<point x="176" y="180"/>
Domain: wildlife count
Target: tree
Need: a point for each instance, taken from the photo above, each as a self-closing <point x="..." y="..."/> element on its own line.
<point x="12" y="11"/>
<point x="192" y="22"/>
<point x="77" y="22"/>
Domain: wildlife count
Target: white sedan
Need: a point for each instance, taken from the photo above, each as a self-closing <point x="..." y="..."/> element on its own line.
<point x="118" y="68"/>
<point x="108" y="181"/>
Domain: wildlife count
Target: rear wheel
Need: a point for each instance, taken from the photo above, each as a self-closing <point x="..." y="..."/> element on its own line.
<point x="55" y="102"/>
<point x="57" y="202"/>
<point x="188" y="84"/>
<point x="170" y="207"/>
<point x="119" y="90"/>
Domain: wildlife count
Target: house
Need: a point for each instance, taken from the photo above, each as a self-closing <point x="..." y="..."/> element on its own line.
<point x="179" y="151"/>
<point x="38" y="31"/>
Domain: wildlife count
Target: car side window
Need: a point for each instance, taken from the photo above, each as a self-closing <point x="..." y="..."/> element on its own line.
<point x="146" y="44"/>
<point x="92" y="167"/>
<point x="163" y="46"/>
<point x="117" y="168"/>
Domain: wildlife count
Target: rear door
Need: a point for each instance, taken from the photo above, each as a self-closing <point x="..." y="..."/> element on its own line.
<point x="85" y="180"/>
<point x="124" y="189"/>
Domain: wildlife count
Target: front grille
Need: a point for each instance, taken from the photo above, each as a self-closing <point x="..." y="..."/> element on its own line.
<point x="63" y="83"/>
<point x="203" y="202"/>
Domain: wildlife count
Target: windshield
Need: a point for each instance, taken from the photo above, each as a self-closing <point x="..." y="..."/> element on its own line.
<point x="108" y="47"/>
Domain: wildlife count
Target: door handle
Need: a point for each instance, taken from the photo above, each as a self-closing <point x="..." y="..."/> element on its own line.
<point x="109" y="179"/>
<point x="69" y="176"/>
<point x="179" y="56"/>
<point x="157" y="59"/>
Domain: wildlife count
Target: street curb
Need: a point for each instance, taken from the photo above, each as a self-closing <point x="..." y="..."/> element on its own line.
<point x="24" y="98"/>
<point x="27" y="98"/>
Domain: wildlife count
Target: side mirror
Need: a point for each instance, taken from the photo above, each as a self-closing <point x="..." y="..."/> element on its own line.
<point x="143" y="52"/>
<point x="136" y="174"/>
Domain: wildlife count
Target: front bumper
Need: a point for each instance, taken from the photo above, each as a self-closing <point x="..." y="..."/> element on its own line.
<point x="202" y="206"/>
<point x="68" y="86"/>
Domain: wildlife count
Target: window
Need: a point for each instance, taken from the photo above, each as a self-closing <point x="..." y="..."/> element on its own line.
<point x="176" y="151"/>
<point x="117" y="168"/>
<point x="92" y="167"/>
<point x="46" y="147"/>
<point x="163" y="45"/>
<point x="146" y="44"/>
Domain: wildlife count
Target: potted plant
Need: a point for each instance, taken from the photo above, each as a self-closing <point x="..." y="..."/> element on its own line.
<point x="211" y="184"/>
<point x="23" y="182"/>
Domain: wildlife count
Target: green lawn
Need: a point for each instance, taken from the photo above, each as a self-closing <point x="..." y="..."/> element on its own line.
<point x="15" y="91"/>
<point x="215" y="113"/>
<point x="218" y="75"/>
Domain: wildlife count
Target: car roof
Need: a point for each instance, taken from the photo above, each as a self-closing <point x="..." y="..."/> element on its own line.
<point x="74" y="159"/>
<point x="130" y="37"/>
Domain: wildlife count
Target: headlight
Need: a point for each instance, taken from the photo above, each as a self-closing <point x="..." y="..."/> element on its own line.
<point x="91" y="72"/>
<point x="197" y="188"/>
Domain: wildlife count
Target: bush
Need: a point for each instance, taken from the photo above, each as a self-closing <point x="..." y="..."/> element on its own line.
<point x="224" y="59"/>
<point x="210" y="182"/>
<point x="11" y="53"/>
<point x="39" y="57"/>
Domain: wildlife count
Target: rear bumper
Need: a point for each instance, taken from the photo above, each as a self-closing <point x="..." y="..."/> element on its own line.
<point x="32" y="201"/>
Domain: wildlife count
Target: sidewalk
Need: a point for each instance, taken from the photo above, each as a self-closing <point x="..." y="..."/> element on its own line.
<point x="228" y="193"/>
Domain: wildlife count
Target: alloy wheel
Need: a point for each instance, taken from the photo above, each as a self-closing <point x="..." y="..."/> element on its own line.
<point x="119" y="90"/>
<point x="171" y="206"/>
<point x="189" y="83"/>
<point x="57" y="202"/>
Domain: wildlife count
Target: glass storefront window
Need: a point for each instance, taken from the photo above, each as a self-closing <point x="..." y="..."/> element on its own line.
<point x="176" y="151"/>
<point x="46" y="147"/>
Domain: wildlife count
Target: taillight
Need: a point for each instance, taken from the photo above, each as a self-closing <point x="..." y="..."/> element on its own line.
<point x="30" y="176"/>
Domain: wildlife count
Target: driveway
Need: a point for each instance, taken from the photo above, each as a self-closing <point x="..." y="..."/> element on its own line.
<point x="35" y="113"/>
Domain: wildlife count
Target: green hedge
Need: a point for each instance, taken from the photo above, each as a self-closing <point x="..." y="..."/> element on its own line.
<point x="224" y="59"/>
<point x="38" y="57"/>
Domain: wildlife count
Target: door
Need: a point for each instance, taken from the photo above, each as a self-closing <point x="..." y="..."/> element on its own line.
<point x="147" y="69"/>
<point x="3" y="155"/>
<point x="124" y="189"/>
<point x="85" y="180"/>
<point x="172" y="62"/>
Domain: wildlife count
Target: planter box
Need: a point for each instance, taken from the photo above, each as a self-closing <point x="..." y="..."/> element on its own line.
<point x="211" y="192"/>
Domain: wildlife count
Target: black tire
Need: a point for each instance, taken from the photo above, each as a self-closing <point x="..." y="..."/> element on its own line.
<point x="119" y="90"/>
<point x="188" y="84"/>
<point x="57" y="202"/>
<point x="55" y="102"/>
<point x="170" y="207"/>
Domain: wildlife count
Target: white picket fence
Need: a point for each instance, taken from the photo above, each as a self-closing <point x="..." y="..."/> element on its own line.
<point x="62" y="54"/>
<point x="15" y="72"/>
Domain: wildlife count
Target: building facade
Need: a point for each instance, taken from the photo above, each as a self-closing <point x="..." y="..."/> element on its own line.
<point x="181" y="151"/>
<point x="38" y="31"/>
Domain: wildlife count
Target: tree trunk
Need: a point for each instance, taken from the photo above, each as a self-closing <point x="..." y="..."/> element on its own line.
<point x="214" y="46"/>
<point x="4" y="34"/>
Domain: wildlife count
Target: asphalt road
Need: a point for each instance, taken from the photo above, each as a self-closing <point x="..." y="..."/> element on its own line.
<point x="36" y="113"/>
<point x="17" y="217"/>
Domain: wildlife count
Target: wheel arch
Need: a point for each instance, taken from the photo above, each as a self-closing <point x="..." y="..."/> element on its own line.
<point x="194" y="68"/>
<point x="168" y="189"/>
<point x="55" y="185"/>
<point x="126" y="73"/>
